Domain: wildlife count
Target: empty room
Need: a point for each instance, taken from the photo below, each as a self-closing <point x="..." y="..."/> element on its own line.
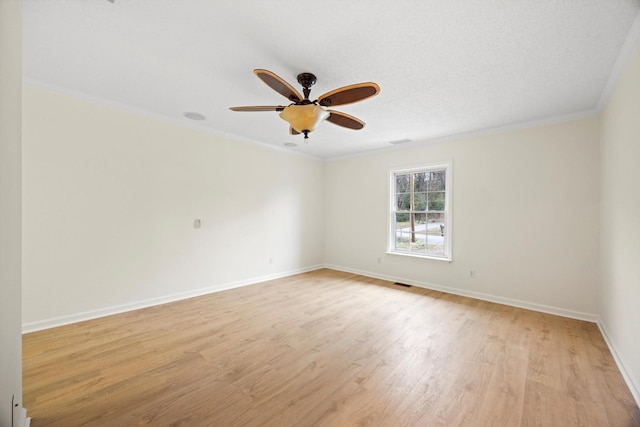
<point x="340" y="213"/>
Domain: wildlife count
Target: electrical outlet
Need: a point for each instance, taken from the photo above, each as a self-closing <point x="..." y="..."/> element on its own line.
<point x="472" y="274"/>
<point x="270" y="260"/>
<point x="379" y="260"/>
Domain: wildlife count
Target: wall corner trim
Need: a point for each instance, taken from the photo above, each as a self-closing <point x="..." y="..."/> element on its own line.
<point x="626" y="52"/>
<point x="632" y="383"/>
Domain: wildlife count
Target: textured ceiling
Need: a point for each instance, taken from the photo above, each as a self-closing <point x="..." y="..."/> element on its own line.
<point x="444" y="67"/>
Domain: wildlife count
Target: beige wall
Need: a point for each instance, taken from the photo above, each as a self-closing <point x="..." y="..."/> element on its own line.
<point x="110" y="198"/>
<point x="10" y="212"/>
<point x="109" y="203"/>
<point x="525" y="217"/>
<point x="619" y="296"/>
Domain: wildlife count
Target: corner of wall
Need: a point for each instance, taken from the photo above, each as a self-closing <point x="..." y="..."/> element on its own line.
<point x="631" y="44"/>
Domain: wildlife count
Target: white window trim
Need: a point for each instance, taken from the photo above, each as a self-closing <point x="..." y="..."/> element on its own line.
<point x="448" y="167"/>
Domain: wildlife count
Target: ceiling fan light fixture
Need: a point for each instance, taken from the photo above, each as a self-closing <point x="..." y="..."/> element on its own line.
<point x="304" y="117"/>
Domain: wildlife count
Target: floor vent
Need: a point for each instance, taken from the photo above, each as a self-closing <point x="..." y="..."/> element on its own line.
<point x="403" y="284"/>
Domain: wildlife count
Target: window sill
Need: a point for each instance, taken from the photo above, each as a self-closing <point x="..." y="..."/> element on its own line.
<point x="435" y="258"/>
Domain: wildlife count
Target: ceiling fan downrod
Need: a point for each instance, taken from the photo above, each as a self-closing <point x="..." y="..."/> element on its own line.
<point x="306" y="80"/>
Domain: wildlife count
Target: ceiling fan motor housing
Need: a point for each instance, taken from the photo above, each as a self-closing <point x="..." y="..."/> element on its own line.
<point x="306" y="80"/>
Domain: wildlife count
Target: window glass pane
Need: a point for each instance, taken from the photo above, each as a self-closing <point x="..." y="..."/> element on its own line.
<point x="436" y="180"/>
<point x="402" y="220"/>
<point x="421" y="219"/>
<point x="435" y="233"/>
<point x="420" y="202"/>
<point x="419" y="245"/>
<point x="402" y="241"/>
<point x="418" y="233"/>
<point x="436" y="201"/>
<point x="420" y="181"/>
<point x="435" y="224"/>
<point x="403" y="201"/>
<point x="435" y="245"/>
<point x="402" y="183"/>
<point x="402" y="237"/>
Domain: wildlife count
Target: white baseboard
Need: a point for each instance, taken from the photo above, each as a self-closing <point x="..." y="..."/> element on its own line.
<point x="108" y="311"/>
<point x="632" y="383"/>
<point x="21" y="419"/>
<point x="477" y="295"/>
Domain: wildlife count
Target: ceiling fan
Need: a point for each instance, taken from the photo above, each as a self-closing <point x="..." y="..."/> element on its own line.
<point x="303" y="114"/>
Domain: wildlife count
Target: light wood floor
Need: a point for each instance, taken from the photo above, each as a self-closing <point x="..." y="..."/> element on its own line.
<point x="325" y="349"/>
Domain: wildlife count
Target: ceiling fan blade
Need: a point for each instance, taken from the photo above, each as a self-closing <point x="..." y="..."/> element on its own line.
<point x="344" y="120"/>
<point x="279" y="85"/>
<point x="349" y="94"/>
<point x="292" y="131"/>
<point x="258" y="108"/>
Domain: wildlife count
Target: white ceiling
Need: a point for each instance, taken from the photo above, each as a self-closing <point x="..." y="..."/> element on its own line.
<point x="444" y="67"/>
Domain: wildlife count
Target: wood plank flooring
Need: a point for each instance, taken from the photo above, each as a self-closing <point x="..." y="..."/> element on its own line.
<point x="325" y="348"/>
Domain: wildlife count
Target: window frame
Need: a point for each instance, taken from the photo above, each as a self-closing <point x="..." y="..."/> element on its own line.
<point x="447" y="166"/>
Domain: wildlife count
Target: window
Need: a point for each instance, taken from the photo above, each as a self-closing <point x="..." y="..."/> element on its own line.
<point x="420" y="220"/>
